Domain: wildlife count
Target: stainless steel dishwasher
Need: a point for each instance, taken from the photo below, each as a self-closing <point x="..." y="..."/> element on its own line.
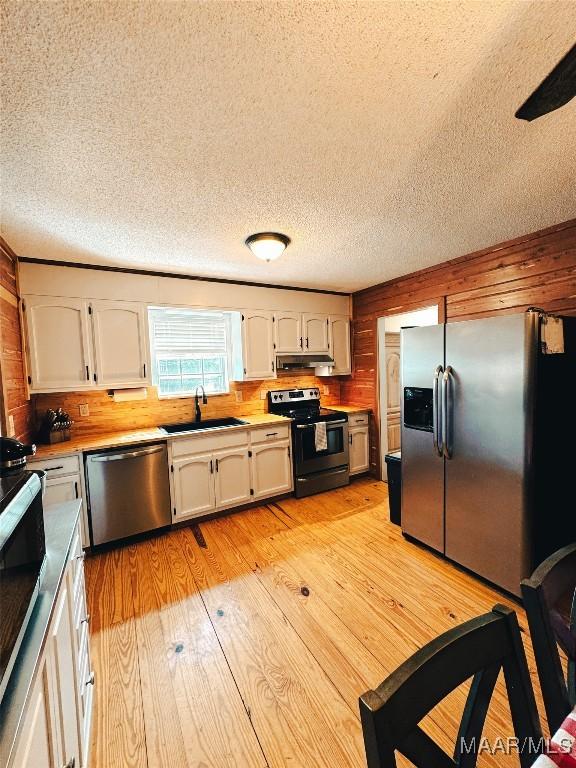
<point x="128" y="491"/>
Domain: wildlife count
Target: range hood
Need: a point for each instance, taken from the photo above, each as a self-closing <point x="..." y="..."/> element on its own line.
<point x="289" y="362"/>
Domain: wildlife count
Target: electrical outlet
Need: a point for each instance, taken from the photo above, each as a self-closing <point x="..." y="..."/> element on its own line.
<point x="262" y="394"/>
<point x="325" y="390"/>
<point x="84" y="409"/>
<point x="11" y="427"/>
<point x="239" y="396"/>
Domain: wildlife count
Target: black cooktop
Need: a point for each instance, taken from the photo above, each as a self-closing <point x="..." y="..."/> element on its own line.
<point x="304" y="415"/>
<point x="9" y="487"/>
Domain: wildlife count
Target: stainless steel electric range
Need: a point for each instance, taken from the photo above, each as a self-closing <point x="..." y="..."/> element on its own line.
<point x="316" y="468"/>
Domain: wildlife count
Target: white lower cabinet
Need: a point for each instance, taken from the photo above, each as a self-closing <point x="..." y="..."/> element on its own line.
<point x="223" y="471"/>
<point x="359" y="440"/>
<point x="193" y="486"/>
<point x="56" y="729"/>
<point x="271" y="469"/>
<point x="232" y="472"/>
<point x="36" y="747"/>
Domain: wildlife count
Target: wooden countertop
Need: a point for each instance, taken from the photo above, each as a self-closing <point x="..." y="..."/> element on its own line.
<point x="350" y="408"/>
<point x="114" y="439"/>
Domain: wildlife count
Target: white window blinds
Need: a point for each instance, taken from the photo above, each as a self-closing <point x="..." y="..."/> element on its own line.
<point x="197" y="333"/>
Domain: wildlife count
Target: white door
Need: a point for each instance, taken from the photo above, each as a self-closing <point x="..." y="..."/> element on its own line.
<point x="257" y="341"/>
<point x="61" y="489"/>
<point x="339" y="343"/>
<point x="232" y="468"/>
<point x="288" y="332"/>
<point x="62" y="649"/>
<point x="271" y="469"/>
<point x="359" y="450"/>
<point x="120" y="343"/>
<point x="315" y="329"/>
<point x="58" y="343"/>
<point x="37" y="742"/>
<point x="194" y="486"/>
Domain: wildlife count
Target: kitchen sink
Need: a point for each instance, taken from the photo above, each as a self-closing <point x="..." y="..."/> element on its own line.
<point x="194" y="426"/>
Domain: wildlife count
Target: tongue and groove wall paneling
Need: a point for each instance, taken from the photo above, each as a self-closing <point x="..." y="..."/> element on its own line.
<point x="537" y="269"/>
<point x="14" y="402"/>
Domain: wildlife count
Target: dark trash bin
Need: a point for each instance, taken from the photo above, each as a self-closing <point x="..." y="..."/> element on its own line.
<point x="394" y="467"/>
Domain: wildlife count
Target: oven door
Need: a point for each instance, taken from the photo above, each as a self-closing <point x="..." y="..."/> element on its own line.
<point x="307" y="459"/>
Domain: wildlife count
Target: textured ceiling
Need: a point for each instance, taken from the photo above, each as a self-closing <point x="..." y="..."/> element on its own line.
<point x="380" y="136"/>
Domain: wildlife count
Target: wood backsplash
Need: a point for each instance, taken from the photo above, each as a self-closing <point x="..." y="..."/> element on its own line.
<point x="108" y="416"/>
<point x="538" y="269"/>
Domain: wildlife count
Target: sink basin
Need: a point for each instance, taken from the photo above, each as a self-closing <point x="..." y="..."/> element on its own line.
<point x="194" y="426"/>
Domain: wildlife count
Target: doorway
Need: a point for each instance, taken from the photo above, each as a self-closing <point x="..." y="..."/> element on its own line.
<point x="390" y="365"/>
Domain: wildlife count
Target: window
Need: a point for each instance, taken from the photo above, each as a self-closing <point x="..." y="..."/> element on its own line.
<point x="189" y="348"/>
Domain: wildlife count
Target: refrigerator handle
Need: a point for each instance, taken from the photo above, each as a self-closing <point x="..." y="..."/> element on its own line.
<point x="446" y="412"/>
<point x="436" y="434"/>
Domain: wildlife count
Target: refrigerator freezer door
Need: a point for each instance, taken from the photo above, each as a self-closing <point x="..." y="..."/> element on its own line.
<point x="422" y="351"/>
<point x="488" y="415"/>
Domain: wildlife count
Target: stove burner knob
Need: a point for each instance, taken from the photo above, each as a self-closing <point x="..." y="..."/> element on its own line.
<point x="280" y="396"/>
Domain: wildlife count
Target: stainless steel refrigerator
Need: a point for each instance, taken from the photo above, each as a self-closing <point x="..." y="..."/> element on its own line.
<point x="489" y="441"/>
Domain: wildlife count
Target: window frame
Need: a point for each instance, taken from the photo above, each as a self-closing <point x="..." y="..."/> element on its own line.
<point x="226" y="357"/>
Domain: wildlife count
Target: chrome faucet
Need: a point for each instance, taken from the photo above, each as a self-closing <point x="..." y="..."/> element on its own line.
<point x="196" y="403"/>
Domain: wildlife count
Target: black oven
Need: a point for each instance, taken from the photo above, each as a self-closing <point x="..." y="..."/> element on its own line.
<point x="22" y="559"/>
<point x="307" y="459"/>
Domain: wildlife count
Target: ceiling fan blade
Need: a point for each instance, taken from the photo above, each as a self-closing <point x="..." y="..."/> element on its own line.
<point x="553" y="92"/>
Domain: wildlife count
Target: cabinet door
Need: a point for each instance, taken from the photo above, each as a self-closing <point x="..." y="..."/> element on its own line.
<point x="61" y="489"/>
<point x="315" y="333"/>
<point x="37" y="743"/>
<point x="257" y="341"/>
<point x="359" y="450"/>
<point x="120" y="343"/>
<point x="232" y="472"/>
<point x="58" y="343"/>
<point x="339" y="343"/>
<point x="271" y="469"/>
<point x="194" y="486"/>
<point x="288" y="332"/>
<point x="62" y="647"/>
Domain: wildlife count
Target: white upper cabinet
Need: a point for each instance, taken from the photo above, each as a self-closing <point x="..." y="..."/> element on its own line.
<point x="59" y="346"/>
<point x="76" y="344"/>
<point x="120" y="343"/>
<point x="288" y="332"/>
<point x="258" y="344"/>
<point x="339" y="341"/>
<point x="315" y="332"/>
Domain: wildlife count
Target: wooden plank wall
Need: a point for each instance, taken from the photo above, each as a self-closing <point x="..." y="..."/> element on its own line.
<point x="244" y="399"/>
<point x="13" y="394"/>
<point x="538" y="269"/>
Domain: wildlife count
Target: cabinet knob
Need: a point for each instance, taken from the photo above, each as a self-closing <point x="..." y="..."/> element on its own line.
<point x="86" y="619"/>
<point x="90" y="680"/>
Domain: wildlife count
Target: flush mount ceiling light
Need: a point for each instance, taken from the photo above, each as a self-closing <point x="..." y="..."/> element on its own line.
<point x="267" y="246"/>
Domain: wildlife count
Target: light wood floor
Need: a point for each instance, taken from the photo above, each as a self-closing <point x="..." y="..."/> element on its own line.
<point x="215" y="657"/>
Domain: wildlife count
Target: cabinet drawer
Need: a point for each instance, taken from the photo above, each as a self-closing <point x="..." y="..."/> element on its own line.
<point x="356" y="419"/>
<point x="271" y="433"/>
<point x="206" y="443"/>
<point x="67" y="465"/>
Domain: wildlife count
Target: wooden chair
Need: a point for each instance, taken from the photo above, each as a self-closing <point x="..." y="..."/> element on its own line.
<point x="550" y="602"/>
<point x="480" y="648"/>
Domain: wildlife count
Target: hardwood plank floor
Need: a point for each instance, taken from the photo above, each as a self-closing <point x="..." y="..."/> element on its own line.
<point x="253" y="651"/>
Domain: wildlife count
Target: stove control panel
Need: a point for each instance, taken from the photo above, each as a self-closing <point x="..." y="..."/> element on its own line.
<point x="293" y="395"/>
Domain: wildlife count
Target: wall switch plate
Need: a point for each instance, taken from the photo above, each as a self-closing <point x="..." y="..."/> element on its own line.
<point x="11" y="427"/>
<point x="239" y="396"/>
<point x="84" y="409"/>
<point x="325" y="390"/>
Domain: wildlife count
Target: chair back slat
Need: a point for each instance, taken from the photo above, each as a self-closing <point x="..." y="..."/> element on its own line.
<point x="477" y="649"/>
<point x="553" y="582"/>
